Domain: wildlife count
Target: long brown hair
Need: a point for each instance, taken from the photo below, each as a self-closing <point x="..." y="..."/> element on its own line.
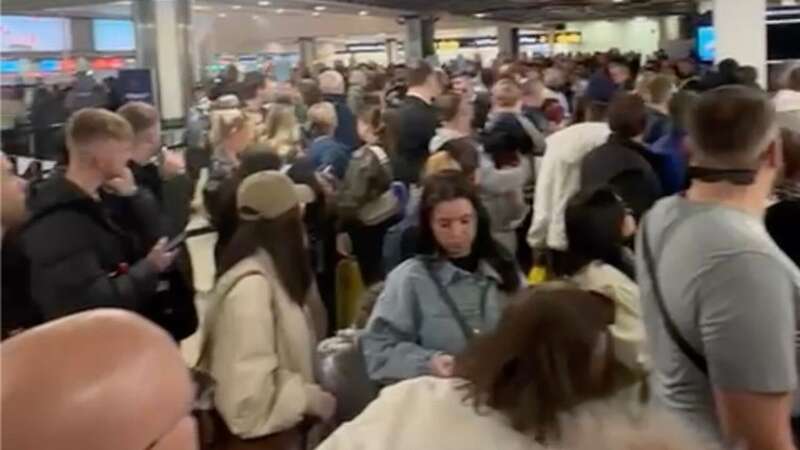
<point x="283" y="239"/>
<point x="540" y="361"/>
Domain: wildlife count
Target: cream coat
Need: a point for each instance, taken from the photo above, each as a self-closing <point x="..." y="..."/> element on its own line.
<point x="628" y="328"/>
<point x="259" y="351"/>
<point x="427" y="414"/>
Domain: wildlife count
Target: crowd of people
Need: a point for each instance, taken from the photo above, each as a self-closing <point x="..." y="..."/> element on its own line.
<point x="585" y="251"/>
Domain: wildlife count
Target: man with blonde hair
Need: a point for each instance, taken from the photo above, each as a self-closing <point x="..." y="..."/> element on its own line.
<point x="659" y="93"/>
<point x="82" y="257"/>
<point x="327" y="153"/>
<point x="331" y="83"/>
<point x="153" y="165"/>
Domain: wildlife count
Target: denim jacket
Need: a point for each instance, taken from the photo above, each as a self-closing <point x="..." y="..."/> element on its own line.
<point x="411" y="322"/>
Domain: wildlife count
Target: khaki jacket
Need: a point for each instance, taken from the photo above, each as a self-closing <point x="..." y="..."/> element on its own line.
<point x="259" y="351"/>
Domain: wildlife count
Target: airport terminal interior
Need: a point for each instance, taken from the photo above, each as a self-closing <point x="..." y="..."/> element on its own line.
<point x="400" y="224"/>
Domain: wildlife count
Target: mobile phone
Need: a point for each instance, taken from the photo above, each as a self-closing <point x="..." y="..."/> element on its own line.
<point x="176" y="241"/>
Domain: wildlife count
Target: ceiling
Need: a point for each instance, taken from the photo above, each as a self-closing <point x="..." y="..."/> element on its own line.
<point x="526" y="11"/>
<point x="95" y="8"/>
<point x="519" y="11"/>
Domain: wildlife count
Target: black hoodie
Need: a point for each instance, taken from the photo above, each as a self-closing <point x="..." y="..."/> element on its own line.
<point x="629" y="168"/>
<point x="80" y="258"/>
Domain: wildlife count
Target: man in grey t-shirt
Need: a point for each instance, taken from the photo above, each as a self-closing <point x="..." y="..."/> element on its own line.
<point x="729" y="290"/>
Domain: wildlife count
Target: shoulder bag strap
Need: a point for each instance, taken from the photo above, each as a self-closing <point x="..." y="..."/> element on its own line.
<point x="210" y="319"/>
<point x="469" y="333"/>
<point x="694" y="356"/>
<point x="379" y="153"/>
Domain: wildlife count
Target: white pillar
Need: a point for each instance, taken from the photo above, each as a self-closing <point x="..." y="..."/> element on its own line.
<point x="419" y="38"/>
<point x="741" y="29"/>
<point x="507" y="40"/>
<point x="308" y="51"/>
<point x="392" y="51"/>
<point x="162" y="44"/>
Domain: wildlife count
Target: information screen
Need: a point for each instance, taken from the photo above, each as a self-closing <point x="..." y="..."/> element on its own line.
<point x="113" y="35"/>
<point x="9" y="66"/>
<point x="706" y="43"/>
<point x="49" y="65"/>
<point x="34" y="34"/>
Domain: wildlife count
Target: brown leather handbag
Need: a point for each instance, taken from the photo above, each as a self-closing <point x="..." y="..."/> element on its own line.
<point x="214" y="434"/>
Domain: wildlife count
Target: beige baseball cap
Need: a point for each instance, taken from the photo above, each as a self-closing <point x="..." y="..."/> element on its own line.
<point x="269" y="194"/>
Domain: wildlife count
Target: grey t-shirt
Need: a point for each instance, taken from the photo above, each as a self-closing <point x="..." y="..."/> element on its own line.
<point x="732" y="294"/>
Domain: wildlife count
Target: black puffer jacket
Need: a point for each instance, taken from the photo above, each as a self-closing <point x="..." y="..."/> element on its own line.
<point x="82" y="258"/>
<point x="18" y="311"/>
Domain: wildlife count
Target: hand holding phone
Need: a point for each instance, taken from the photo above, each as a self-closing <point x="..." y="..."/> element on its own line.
<point x="160" y="257"/>
<point x="176" y="242"/>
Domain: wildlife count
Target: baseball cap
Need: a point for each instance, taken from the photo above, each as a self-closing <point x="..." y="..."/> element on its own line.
<point x="269" y="194"/>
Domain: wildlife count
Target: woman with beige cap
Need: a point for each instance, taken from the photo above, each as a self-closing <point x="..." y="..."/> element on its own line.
<point x="260" y="340"/>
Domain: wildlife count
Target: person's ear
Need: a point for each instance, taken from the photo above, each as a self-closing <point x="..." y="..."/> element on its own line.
<point x="773" y="156"/>
<point x="690" y="148"/>
<point x="628" y="226"/>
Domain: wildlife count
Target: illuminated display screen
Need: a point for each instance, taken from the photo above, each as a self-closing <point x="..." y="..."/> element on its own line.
<point x="706" y="43"/>
<point x="34" y="34"/>
<point x="9" y="66"/>
<point x="113" y="35"/>
<point x="49" y="65"/>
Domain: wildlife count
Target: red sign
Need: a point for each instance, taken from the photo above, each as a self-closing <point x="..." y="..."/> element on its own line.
<point x="68" y="65"/>
<point x="108" y="63"/>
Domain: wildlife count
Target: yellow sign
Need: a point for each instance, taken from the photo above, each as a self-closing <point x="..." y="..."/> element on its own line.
<point x="448" y="45"/>
<point x="568" y="37"/>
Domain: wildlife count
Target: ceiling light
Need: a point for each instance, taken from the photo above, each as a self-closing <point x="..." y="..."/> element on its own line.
<point x="264" y="3"/>
<point x="236" y="7"/>
<point x="256" y="17"/>
<point x="202" y="8"/>
<point x="320" y="8"/>
<point x="223" y="15"/>
<point x="480" y="15"/>
<point x="363" y="13"/>
<point x="619" y="1"/>
<point x="280" y="10"/>
<point x="315" y="14"/>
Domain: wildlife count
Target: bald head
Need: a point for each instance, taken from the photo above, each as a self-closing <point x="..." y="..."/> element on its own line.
<point x="331" y="82"/>
<point x="95" y="381"/>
